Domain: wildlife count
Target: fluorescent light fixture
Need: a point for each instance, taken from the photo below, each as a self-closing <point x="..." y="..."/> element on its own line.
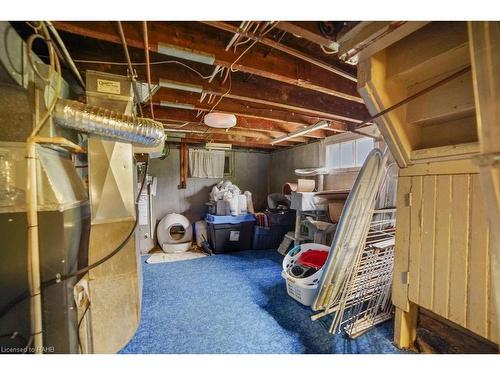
<point x="174" y="135"/>
<point x="218" y="146"/>
<point x="175" y="139"/>
<point x="164" y="103"/>
<point x="299" y="132"/>
<point x="186" y="53"/>
<point x="184" y="131"/>
<point x="180" y="86"/>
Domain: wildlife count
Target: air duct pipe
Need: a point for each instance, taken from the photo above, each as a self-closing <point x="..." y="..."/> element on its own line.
<point x="102" y="121"/>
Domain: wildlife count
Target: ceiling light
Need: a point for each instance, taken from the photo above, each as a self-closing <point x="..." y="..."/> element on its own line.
<point x="180" y="86"/>
<point x="218" y="146"/>
<point x="220" y="120"/>
<point x="299" y="132"/>
<point x="164" y="103"/>
<point x="186" y="53"/>
<point x="184" y="131"/>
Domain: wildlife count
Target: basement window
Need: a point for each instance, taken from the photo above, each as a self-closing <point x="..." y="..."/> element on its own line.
<point x="228" y="164"/>
<point x="348" y="154"/>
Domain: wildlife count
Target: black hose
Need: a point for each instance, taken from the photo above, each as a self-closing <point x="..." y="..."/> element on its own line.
<point x="79" y="325"/>
<point x="15" y="336"/>
<point x="60" y="278"/>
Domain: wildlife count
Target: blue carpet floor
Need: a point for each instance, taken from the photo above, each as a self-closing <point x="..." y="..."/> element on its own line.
<point x="235" y="303"/>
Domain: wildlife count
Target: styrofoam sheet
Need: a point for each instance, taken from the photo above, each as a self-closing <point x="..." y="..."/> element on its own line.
<point x="305" y="201"/>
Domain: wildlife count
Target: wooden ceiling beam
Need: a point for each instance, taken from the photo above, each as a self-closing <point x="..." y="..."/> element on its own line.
<point x="182" y="116"/>
<point x="288" y="50"/>
<point x="249" y="134"/>
<point x="253" y="136"/>
<point x="291" y="98"/>
<point x="231" y="139"/>
<point x="278" y="66"/>
<point x="178" y="117"/>
<point x="193" y="139"/>
<point x="286" y="119"/>
<point x="168" y="116"/>
<point x="232" y="106"/>
<point x="305" y="31"/>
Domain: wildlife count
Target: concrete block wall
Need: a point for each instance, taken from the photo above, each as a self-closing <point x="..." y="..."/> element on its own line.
<point x="250" y="172"/>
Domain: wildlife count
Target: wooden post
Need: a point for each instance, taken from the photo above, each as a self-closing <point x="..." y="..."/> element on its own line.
<point x="183" y="167"/>
<point x="405" y="327"/>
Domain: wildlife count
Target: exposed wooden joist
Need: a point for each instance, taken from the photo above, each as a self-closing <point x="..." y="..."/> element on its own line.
<point x="282" y="96"/>
<point x="193" y="139"/>
<point x="228" y="138"/>
<point x="279" y="67"/>
<point x="181" y="116"/>
<point x="291" y="51"/>
<point x="234" y="106"/>
<point x="369" y="37"/>
<point x="300" y="30"/>
<point x="251" y="135"/>
<point x="276" y="129"/>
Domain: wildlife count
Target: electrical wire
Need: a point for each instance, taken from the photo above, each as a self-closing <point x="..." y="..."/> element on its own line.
<point x="165" y="152"/>
<point x="32" y="256"/>
<point x="54" y="67"/>
<point x="100" y="62"/>
<point x="84" y="270"/>
<point x="262" y="35"/>
<point x="130" y="67"/>
<point x="231" y="70"/>
<point x="64" y="53"/>
<point x="79" y="325"/>
<point x="31" y="39"/>
<point x="13" y="336"/>
<point x="148" y="66"/>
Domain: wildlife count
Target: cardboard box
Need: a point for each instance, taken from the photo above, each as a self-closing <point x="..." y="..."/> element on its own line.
<point x="335" y="209"/>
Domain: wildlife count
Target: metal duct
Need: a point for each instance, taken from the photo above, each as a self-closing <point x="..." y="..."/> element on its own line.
<point x="102" y="121"/>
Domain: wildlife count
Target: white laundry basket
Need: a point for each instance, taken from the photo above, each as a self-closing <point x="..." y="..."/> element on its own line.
<point x="303" y="290"/>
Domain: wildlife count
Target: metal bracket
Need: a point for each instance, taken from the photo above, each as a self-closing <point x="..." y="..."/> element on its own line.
<point x="408" y="199"/>
<point x="405" y="277"/>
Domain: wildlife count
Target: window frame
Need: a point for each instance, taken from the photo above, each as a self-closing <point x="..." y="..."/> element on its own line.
<point x="230" y="156"/>
<point x="344" y="138"/>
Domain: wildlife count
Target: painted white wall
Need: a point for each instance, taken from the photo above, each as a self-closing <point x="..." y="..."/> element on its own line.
<point x="284" y="162"/>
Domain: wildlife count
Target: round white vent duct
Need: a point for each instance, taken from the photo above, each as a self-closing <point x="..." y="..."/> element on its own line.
<point x="220" y="120"/>
<point x="174" y="233"/>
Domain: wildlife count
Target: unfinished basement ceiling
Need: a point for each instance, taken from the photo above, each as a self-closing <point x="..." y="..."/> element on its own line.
<point x="277" y="77"/>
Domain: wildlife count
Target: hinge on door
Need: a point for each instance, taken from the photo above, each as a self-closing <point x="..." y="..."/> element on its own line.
<point x="408" y="197"/>
<point x="405" y="277"/>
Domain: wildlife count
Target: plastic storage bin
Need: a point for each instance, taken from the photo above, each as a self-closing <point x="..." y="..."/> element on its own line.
<point x="268" y="237"/>
<point x="229" y="219"/>
<point x="230" y="233"/>
<point x="285" y="218"/>
<point x="302" y="290"/>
